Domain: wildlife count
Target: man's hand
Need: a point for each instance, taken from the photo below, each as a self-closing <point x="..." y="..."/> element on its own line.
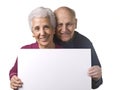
<point x="15" y="82"/>
<point x="95" y="72"/>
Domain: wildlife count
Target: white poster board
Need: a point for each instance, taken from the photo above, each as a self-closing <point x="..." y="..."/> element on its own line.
<point x="54" y="69"/>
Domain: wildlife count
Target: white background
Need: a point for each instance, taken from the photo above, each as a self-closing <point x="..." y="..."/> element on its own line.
<point x="99" y="20"/>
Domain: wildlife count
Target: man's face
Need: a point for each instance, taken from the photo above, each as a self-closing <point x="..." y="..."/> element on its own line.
<point x="66" y="25"/>
<point x="42" y="31"/>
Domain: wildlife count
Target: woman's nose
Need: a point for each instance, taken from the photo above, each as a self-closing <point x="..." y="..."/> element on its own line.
<point x="42" y="32"/>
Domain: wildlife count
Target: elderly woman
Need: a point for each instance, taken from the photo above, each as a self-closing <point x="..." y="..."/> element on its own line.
<point x="42" y="23"/>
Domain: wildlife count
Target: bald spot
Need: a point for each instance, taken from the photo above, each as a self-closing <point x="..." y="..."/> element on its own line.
<point x="65" y="11"/>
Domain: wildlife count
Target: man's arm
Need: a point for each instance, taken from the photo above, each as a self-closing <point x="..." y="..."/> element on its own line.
<point x="98" y="72"/>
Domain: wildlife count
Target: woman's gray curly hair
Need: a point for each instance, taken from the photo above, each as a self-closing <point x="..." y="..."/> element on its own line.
<point x="42" y="12"/>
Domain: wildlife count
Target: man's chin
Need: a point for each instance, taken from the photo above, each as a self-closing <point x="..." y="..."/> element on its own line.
<point x="65" y="39"/>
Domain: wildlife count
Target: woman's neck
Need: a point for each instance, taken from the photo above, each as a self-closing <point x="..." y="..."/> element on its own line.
<point x="51" y="45"/>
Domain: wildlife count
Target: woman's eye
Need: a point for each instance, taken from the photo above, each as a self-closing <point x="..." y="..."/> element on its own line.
<point x="37" y="28"/>
<point x="46" y="27"/>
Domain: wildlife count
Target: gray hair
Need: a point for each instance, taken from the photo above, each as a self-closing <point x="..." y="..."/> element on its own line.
<point x="42" y="12"/>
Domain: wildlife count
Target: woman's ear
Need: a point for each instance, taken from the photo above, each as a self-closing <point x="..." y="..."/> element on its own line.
<point x="32" y="34"/>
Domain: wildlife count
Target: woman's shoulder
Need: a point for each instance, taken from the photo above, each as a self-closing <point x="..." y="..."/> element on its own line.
<point x="30" y="46"/>
<point x="58" y="46"/>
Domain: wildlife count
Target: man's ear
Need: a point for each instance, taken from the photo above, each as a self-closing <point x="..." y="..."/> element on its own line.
<point x="75" y="23"/>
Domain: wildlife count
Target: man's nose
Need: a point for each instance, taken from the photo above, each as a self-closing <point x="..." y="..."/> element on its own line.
<point x="64" y="28"/>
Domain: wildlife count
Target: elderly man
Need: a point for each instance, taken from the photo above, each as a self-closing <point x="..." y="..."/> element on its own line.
<point x="67" y="37"/>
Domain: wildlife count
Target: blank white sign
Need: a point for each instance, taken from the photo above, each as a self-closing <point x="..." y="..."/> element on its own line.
<point x="54" y="69"/>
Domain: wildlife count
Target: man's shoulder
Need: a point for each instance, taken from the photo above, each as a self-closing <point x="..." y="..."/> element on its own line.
<point x="81" y="41"/>
<point x="30" y="46"/>
<point x="80" y="37"/>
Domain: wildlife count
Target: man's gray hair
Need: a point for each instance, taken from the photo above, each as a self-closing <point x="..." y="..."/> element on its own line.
<point x="43" y="12"/>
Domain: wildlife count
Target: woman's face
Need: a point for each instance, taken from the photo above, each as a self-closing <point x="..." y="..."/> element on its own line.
<point x="42" y="31"/>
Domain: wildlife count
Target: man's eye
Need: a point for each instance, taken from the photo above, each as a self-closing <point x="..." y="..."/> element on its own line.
<point x="59" y="25"/>
<point x="69" y="24"/>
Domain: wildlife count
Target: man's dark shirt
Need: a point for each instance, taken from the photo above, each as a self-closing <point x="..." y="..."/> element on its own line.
<point x="80" y="41"/>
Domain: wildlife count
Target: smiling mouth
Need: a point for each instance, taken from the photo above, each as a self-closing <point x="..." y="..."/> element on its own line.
<point x="65" y="34"/>
<point x="44" y="39"/>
